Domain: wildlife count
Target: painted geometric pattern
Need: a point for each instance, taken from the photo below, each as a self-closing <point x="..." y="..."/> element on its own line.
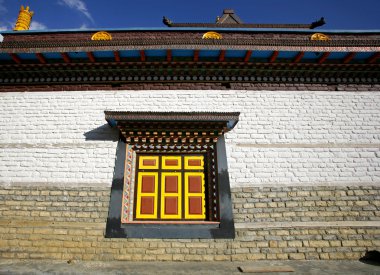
<point x="126" y="212"/>
<point x="170" y="187"/>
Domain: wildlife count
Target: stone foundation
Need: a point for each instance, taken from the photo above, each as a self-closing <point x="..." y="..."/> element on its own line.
<point x="271" y="223"/>
<point x="306" y="204"/>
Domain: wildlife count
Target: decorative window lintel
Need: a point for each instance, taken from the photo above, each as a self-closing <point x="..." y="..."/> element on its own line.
<point x="171" y="171"/>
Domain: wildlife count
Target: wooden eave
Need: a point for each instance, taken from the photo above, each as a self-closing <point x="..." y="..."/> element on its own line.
<point x="190" y="43"/>
<point x="163" y="117"/>
<point x="167" y="51"/>
<point x="207" y="60"/>
<point x="172" y="127"/>
<point x="116" y="73"/>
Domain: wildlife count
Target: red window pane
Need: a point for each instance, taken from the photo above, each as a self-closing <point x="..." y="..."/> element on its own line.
<point x="147" y="205"/>
<point x="195" y="184"/>
<point x="147" y="184"/>
<point x="171" y="184"/>
<point x="171" y="206"/>
<point x="149" y="162"/>
<point x="195" y="205"/>
<point x="171" y="162"/>
<point x="194" y="162"/>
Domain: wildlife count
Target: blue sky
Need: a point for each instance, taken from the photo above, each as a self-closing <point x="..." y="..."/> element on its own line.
<point x="93" y="14"/>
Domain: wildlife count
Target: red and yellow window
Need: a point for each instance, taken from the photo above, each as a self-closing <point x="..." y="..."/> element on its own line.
<point x="170" y="187"/>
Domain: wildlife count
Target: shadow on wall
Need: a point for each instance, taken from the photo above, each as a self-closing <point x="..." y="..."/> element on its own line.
<point x="104" y="132"/>
<point x="371" y="257"/>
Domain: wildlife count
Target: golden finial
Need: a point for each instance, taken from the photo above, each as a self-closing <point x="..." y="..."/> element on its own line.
<point x="320" y="37"/>
<point x="101" y="36"/>
<point x="24" y="19"/>
<point x="212" y="35"/>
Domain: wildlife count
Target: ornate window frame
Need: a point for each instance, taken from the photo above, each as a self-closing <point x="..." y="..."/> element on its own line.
<point x="179" y="133"/>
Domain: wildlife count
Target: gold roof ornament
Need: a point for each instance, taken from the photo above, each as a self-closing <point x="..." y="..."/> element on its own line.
<point x="212" y="35"/>
<point x="320" y="37"/>
<point x="101" y="36"/>
<point x="24" y="19"/>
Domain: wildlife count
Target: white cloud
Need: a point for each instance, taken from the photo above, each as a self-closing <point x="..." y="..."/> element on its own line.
<point x="2" y="28"/>
<point x="34" y="25"/>
<point x="83" y="27"/>
<point x="78" y="5"/>
<point x="37" y="26"/>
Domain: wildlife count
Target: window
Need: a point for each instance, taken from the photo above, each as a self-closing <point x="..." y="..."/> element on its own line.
<point x="171" y="170"/>
<point x="170" y="187"/>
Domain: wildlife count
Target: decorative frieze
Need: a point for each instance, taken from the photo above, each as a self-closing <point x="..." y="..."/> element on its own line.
<point x="150" y="72"/>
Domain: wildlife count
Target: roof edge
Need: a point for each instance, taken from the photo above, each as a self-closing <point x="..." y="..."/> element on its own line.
<point x="176" y="116"/>
<point x="229" y="118"/>
<point x="185" y="29"/>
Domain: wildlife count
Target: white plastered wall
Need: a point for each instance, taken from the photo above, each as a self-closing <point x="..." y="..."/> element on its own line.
<point x="282" y="138"/>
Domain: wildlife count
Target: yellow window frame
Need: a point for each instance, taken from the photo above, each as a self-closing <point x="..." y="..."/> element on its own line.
<point x="178" y="195"/>
<point x="141" y="162"/>
<point x="188" y="194"/>
<point x="167" y="167"/>
<point x="187" y="158"/>
<point x="140" y="195"/>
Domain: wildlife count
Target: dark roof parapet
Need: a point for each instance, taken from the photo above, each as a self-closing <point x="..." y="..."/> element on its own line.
<point x="230" y="20"/>
<point x="318" y="23"/>
<point x="229" y="17"/>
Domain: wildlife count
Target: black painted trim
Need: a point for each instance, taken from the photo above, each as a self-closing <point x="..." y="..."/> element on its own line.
<point x="113" y="228"/>
<point x="224" y="230"/>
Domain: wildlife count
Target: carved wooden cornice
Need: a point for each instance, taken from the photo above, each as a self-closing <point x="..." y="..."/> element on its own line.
<point x="115" y="73"/>
<point x="190" y="43"/>
<point x="172" y="127"/>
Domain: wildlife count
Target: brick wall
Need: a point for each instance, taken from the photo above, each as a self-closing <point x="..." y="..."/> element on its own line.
<point x="293" y="137"/>
<point x="251" y="204"/>
<point x="304" y="167"/>
<point x="68" y="223"/>
<point x="306" y="204"/>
